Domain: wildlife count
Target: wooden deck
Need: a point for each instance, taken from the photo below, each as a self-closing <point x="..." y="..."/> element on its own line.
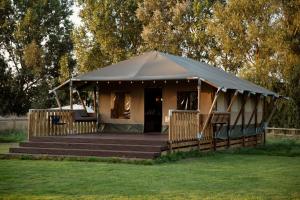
<point x="140" y="146"/>
<point x="121" y="136"/>
<point x="57" y="133"/>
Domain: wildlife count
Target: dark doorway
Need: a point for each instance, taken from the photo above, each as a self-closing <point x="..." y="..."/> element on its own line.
<point x="153" y="110"/>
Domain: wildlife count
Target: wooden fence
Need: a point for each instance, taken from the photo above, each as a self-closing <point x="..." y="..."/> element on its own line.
<point x="13" y="123"/>
<point x="47" y="122"/>
<point x="283" y="131"/>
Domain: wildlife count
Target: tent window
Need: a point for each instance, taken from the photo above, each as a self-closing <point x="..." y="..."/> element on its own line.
<point x="187" y="100"/>
<point x="121" y="103"/>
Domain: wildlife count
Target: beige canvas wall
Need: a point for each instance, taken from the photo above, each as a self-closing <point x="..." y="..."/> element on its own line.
<point x="260" y="110"/>
<point x="221" y="102"/>
<point x="249" y="106"/>
<point x="137" y="104"/>
<point x="169" y="95"/>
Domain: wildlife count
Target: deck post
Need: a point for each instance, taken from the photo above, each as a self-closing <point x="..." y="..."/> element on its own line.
<point x="199" y="94"/>
<point x="29" y="127"/>
<point x="240" y="112"/>
<point x="243" y="118"/>
<point x="198" y="109"/>
<point x="83" y="104"/>
<point x="94" y="100"/>
<point x="229" y="119"/>
<point x="71" y="94"/>
<point x="97" y="108"/>
<point x="269" y="119"/>
<point x="255" y="117"/>
<point x="210" y="112"/>
<point x="57" y="99"/>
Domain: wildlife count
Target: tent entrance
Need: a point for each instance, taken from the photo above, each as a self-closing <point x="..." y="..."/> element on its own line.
<point x="153" y="110"/>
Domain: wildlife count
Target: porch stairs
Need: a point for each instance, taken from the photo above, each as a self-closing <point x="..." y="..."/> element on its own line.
<point x="99" y="147"/>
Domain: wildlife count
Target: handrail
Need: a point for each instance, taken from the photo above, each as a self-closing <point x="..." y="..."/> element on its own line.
<point x="184" y="125"/>
<point x="48" y="122"/>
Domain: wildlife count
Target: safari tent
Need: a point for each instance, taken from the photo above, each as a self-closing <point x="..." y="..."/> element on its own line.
<point x="185" y="102"/>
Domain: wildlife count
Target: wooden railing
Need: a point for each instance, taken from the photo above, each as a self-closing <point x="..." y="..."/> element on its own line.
<point x="184" y="125"/>
<point x="49" y="122"/>
<point x="220" y="117"/>
<point x="187" y="125"/>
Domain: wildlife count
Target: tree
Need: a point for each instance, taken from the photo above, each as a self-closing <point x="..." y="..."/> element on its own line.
<point x="166" y="25"/>
<point x="110" y="32"/>
<point x="199" y="46"/>
<point x="5" y="87"/>
<point x="260" y="41"/>
<point x="34" y="37"/>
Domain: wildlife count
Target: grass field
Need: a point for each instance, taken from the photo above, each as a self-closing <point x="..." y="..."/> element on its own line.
<point x="262" y="173"/>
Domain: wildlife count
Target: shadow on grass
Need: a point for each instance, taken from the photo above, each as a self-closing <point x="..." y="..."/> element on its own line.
<point x="273" y="147"/>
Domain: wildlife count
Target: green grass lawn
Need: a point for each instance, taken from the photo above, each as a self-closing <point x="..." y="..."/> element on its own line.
<point x="224" y="175"/>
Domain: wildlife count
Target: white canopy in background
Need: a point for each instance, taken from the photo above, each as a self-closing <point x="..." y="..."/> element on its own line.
<point x="76" y="107"/>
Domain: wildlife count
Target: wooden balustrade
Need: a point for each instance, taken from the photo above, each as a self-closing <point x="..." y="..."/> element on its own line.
<point x="48" y="122"/>
<point x="220" y="117"/>
<point x="184" y="125"/>
<point x="187" y="125"/>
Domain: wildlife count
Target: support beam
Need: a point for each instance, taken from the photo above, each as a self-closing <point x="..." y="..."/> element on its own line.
<point x="97" y="110"/>
<point x="71" y="94"/>
<point x="266" y="123"/>
<point x="243" y="117"/>
<point x="229" y="119"/>
<point x="210" y="112"/>
<point x="240" y="112"/>
<point x="232" y="101"/>
<point x="57" y="99"/>
<point x="253" y="114"/>
<point x="199" y="95"/>
<point x="198" y="108"/>
<point x="82" y="102"/>
<point x="255" y="117"/>
<point x="94" y="100"/>
<point x="271" y="115"/>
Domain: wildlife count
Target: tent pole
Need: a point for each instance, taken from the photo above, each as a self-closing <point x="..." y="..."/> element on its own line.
<point x="266" y="124"/>
<point x="71" y="94"/>
<point x="253" y="114"/>
<point x="210" y="111"/>
<point x="57" y="99"/>
<point x="95" y="96"/>
<point x="198" y="108"/>
<point x="82" y="102"/>
<point x="199" y="94"/>
<point x="229" y="120"/>
<point x="97" y="107"/>
<point x="232" y="101"/>
<point x="243" y="117"/>
<point x="239" y="114"/>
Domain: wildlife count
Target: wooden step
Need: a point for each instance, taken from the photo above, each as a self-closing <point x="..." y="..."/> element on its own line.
<point x="94" y="146"/>
<point x="99" y="140"/>
<point x="85" y="152"/>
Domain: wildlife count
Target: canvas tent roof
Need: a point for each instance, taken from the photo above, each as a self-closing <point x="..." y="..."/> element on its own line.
<point x="161" y="66"/>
